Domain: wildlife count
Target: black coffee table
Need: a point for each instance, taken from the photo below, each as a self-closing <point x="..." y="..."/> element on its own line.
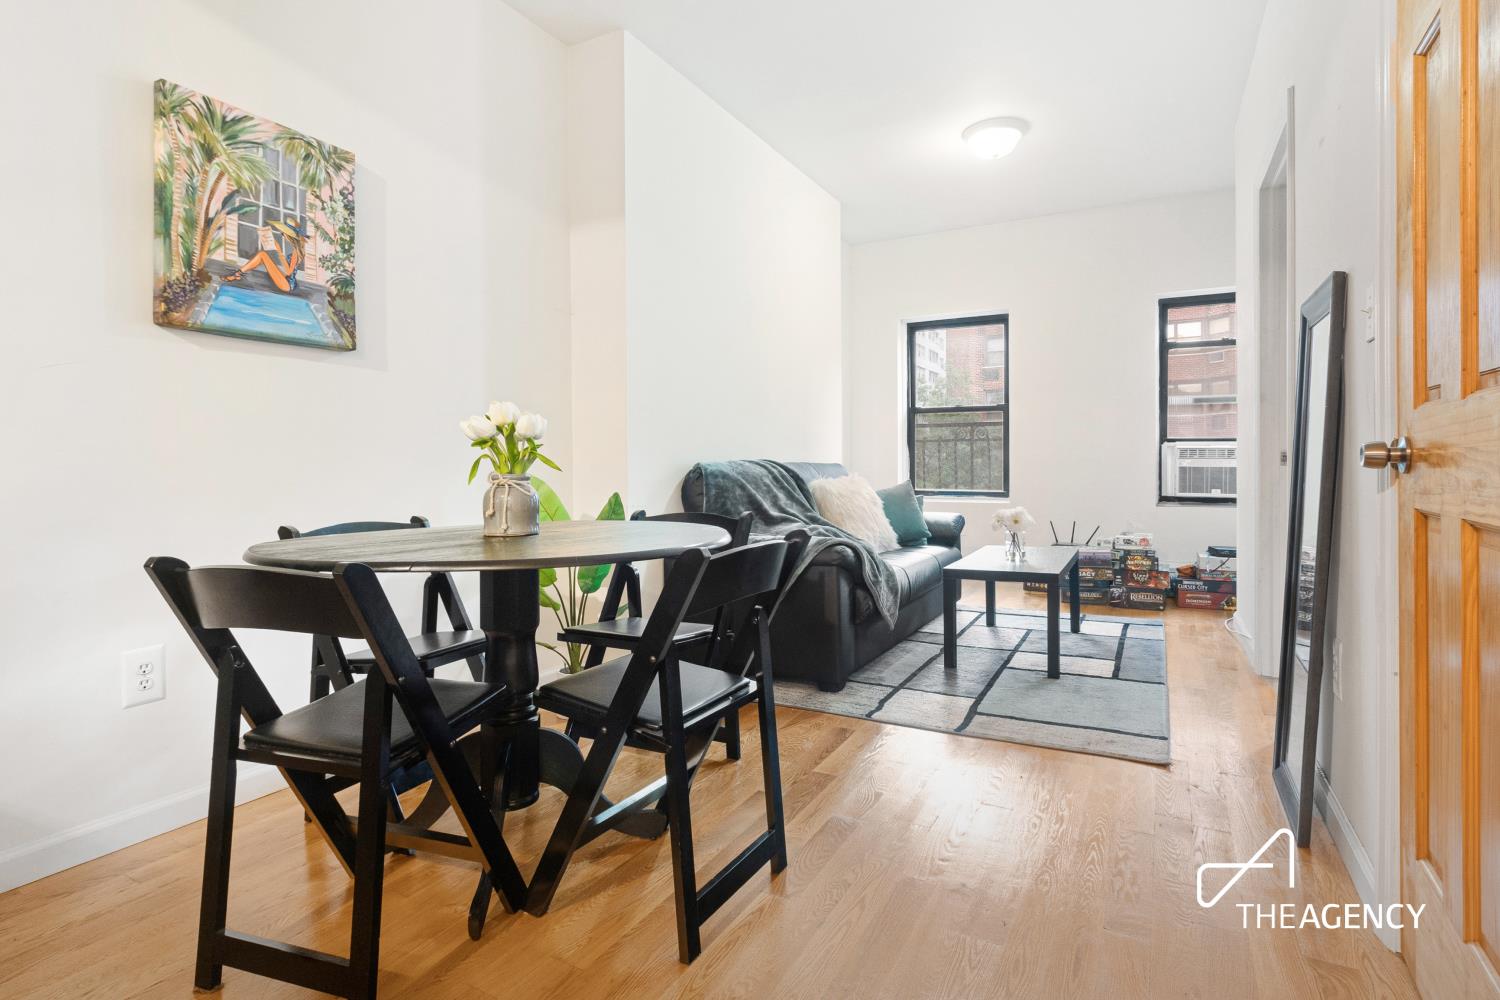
<point x="1053" y="565"/>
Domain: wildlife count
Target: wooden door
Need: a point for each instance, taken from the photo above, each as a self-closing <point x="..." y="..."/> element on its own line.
<point x="1448" y="254"/>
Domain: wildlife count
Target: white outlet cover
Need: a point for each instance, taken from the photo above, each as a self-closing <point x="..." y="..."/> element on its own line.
<point x="143" y="675"/>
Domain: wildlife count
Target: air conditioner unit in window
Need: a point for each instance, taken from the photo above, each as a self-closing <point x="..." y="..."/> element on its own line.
<point x="1196" y="469"/>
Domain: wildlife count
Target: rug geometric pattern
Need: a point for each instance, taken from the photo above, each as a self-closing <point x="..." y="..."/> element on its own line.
<point x="1111" y="698"/>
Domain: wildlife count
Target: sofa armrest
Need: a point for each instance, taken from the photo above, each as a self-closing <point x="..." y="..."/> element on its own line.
<point x="946" y="529"/>
<point x="838" y="556"/>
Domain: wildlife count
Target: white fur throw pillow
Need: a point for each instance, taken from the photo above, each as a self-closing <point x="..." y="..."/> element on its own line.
<point x="851" y="503"/>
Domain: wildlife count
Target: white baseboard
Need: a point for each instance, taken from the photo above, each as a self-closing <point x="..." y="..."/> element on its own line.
<point x="1352" y="851"/>
<point x="85" y="842"/>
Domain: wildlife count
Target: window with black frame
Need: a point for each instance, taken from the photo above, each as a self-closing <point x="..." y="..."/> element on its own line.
<point x="1199" y="399"/>
<point x="958" y="398"/>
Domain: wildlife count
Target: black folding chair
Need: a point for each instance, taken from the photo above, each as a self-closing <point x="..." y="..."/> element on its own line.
<point x="655" y="700"/>
<point x="350" y="734"/>
<point x="616" y="631"/>
<point x="433" y="648"/>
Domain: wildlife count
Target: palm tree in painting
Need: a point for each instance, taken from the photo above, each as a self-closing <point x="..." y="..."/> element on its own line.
<point x="173" y="108"/>
<point x="228" y="157"/>
<point x="319" y="164"/>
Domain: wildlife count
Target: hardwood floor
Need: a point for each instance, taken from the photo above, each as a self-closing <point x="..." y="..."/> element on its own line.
<point x="922" y="865"/>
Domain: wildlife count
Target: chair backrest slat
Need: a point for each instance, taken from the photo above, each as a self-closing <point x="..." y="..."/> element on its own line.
<point x="735" y="575"/>
<point x="281" y="600"/>
<point x="350" y="527"/>
<point x="702" y="582"/>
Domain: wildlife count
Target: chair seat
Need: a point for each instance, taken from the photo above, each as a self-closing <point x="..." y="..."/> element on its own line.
<point x="334" y="726"/>
<point x="432" y="649"/>
<point x="626" y="632"/>
<point x="588" y="694"/>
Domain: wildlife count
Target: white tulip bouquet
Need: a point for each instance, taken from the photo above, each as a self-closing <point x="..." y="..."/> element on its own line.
<point x="510" y="440"/>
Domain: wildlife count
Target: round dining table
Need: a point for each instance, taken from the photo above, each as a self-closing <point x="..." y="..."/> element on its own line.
<point x="509" y="611"/>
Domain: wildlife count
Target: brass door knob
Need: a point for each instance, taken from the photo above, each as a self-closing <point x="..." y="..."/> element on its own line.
<point x="1378" y="455"/>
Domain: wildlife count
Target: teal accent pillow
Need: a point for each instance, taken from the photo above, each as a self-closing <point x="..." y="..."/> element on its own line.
<point x="903" y="508"/>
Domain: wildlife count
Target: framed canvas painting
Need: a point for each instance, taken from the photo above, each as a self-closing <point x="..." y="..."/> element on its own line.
<point x="254" y="226"/>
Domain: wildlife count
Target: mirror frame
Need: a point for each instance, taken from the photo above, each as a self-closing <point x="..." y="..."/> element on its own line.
<point x="1297" y="788"/>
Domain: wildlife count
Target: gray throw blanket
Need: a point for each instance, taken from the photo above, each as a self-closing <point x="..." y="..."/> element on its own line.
<point x="780" y="501"/>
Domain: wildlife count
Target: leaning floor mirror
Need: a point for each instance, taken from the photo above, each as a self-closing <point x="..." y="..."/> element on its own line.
<point x="1314" y="507"/>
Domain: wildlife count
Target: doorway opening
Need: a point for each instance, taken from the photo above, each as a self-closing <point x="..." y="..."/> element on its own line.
<point x="1275" y="361"/>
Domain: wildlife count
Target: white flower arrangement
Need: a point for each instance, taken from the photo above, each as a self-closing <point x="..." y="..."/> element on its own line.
<point x="1014" y="519"/>
<point x="509" y="439"/>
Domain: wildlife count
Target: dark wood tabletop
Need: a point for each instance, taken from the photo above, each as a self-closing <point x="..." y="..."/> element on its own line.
<point x="560" y="543"/>
<point x="991" y="561"/>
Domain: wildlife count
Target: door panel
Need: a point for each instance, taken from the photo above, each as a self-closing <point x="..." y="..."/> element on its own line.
<point x="1438" y="776"/>
<point x="1448" y="281"/>
<point x="1436" y="224"/>
<point x="1489" y="192"/>
<point x="1487" y="633"/>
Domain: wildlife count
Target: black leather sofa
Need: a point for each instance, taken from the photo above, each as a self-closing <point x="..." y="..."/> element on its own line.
<point x="829" y="626"/>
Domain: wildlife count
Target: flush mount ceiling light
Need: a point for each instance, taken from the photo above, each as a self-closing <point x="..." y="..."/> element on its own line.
<point x="995" y="137"/>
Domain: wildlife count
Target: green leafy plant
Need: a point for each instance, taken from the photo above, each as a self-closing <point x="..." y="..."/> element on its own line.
<point x="567" y="592"/>
<point x="508" y="439"/>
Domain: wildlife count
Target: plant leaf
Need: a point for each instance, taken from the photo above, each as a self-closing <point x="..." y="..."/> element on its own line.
<point x="613" y="509"/>
<point x="546" y="577"/>
<point x="546" y="601"/>
<point x="474" y="469"/>
<point x="552" y="505"/>
<point x="590" y="577"/>
<point x="548" y="462"/>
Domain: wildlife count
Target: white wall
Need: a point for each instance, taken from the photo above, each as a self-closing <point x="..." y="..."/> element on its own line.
<point x="1081" y="290"/>
<point x="124" y="440"/>
<point x="1332" y="55"/>
<point x="596" y="195"/>
<point x="731" y="283"/>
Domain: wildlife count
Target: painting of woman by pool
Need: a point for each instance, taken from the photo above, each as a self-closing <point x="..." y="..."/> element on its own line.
<point x="254" y="226"/>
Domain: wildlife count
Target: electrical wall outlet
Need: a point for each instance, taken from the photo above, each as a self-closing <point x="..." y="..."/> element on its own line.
<point x="1338" y="669"/>
<point x="143" y="676"/>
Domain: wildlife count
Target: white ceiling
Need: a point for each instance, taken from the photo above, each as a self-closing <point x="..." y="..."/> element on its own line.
<point x="1127" y="99"/>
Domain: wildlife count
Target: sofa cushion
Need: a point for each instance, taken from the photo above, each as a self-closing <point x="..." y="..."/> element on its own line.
<point x="851" y="503"/>
<point x="918" y="570"/>
<point x="903" y="508"/>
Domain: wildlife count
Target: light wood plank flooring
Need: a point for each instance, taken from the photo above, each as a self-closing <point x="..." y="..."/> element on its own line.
<point x="922" y="865"/>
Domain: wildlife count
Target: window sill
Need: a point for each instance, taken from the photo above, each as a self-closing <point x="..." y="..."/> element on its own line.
<point x="1230" y="502"/>
<point x="960" y="498"/>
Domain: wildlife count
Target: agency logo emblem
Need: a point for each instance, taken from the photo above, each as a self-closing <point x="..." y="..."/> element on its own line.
<point x="1241" y="868"/>
<point x="1289" y="916"/>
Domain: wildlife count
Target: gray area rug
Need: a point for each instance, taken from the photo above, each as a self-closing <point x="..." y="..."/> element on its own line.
<point x="1111" y="698"/>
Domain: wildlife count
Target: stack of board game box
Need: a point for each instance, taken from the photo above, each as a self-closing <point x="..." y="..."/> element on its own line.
<point x="1211" y="585"/>
<point x="1306" y="576"/>
<point x="1138" y="580"/>
<point x="1096" y="575"/>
